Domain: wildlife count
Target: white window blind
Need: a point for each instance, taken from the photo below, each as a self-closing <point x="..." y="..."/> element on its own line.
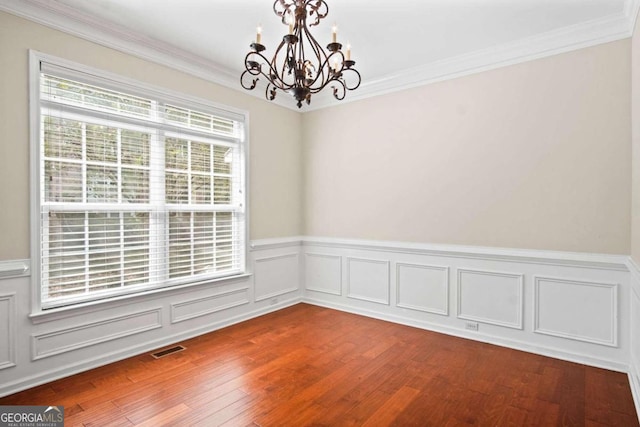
<point x="137" y="190"/>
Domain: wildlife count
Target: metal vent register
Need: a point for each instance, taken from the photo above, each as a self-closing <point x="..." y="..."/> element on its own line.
<point x="167" y="351"/>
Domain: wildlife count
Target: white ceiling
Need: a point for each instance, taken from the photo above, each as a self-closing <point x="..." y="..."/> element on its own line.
<point x="396" y="43"/>
<point x="386" y="36"/>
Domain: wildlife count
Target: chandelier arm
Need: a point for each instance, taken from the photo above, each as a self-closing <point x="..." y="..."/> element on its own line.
<point x="324" y="85"/>
<point x="300" y="48"/>
<point x="322" y="58"/>
<point x="292" y="66"/>
<point x="279" y="74"/>
<point x="253" y="84"/>
<point x="254" y="66"/>
<point x="257" y="71"/>
<point x="315" y="46"/>
<point x="328" y="74"/>
<point x="339" y="92"/>
<point x="270" y="94"/>
<point x="353" y="70"/>
<point x="302" y="59"/>
<point x="339" y="78"/>
<point x="273" y="65"/>
<point x="250" y="55"/>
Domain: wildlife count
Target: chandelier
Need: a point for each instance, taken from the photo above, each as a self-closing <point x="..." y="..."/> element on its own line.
<point x="300" y="65"/>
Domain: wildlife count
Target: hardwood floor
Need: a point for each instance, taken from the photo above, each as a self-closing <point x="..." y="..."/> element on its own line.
<point x="307" y="365"/>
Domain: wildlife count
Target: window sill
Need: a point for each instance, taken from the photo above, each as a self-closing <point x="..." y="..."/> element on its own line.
<point x="43" y="316"/>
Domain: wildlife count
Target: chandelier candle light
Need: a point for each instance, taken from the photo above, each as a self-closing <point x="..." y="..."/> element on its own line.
<point x="300" y="65"/>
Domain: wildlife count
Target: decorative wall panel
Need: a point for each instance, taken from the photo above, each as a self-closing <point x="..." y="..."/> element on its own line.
<point x="7" y="330"/>
<point x="368" y="280"/>
<point x="209" y="304"/>
<point x="94" y="333"/>
<point x="579" y="310"/>
<point x="423" y="287"/>
<point x="276" y="275"/>
<point x="491" y="297"/>
<point x="323" y="273"/>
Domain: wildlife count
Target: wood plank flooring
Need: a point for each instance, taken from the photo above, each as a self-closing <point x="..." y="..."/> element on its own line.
<point x="308" y="365"/>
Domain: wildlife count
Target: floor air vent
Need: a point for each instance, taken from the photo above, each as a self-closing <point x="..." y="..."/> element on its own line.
<point x="167" y="351"/>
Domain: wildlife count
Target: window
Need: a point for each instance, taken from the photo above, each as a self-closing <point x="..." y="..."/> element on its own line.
<point x="135" y="188"/>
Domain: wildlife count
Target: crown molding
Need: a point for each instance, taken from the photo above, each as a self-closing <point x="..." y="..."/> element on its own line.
<point x="591" y="33"/>
<point x="631" y="9"/>
<point x="63" y="18"/>
<point x="58" y="16"/>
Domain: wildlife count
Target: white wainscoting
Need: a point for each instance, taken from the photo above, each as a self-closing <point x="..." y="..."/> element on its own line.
<point x="276" y="275"/>
<point x="594" y="310"/>
<point x="491" y="297"/>
<point x="368" y="280"/>
<point x="94" y="333"/>
<point x="634" y="362"/>
<point x="209" y="304"/>
<point x="529" y="292"/>
<point x="39" y="349"/>
<point x="423" y="287"/>
<point x="7" y="330"/>
<point x="323" y="273"/>
<point x="530" y="300"/>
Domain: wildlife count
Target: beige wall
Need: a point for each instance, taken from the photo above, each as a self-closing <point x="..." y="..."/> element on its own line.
<point x="535" y="155"/>
<point x="635" y="126"/>
<point x="275" y="165"/>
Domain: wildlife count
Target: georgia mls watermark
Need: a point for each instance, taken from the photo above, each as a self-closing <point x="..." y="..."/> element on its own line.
<point x="31" y="416"/>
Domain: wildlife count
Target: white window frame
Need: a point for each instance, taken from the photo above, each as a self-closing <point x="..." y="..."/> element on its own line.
<point x="115" y="81"/>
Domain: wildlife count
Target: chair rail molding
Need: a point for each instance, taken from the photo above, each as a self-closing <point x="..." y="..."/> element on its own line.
<point x="15" y="268"/>
<point x="526" y="256"/>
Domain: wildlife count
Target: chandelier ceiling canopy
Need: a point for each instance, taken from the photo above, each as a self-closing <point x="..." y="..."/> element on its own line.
<point x="300" y="65"/>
